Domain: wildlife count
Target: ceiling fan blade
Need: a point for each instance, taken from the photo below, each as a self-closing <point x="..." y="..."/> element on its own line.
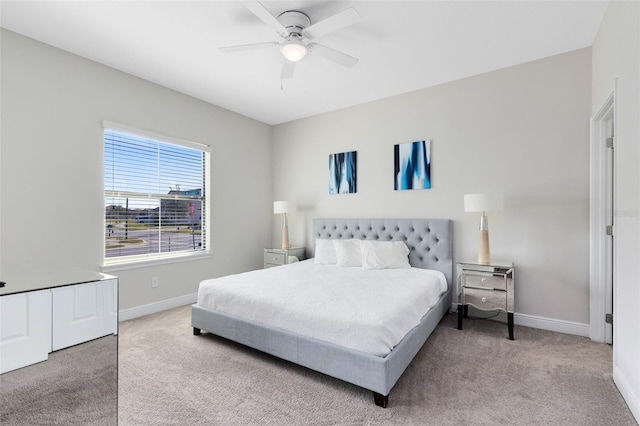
<point x="243" y="47"/>
<point x="287" y="69"/>
<point x="261" y="12"/>
<point x="333" y="23"/>
<point x="333" y="55"/>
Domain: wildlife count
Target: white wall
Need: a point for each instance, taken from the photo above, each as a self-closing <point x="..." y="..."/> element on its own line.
<point x="522" y="131"/>
<point x="616" y="55"/>
<point x="53" y="104"/>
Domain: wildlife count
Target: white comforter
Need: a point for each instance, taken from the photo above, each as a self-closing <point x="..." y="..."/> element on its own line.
<point x="366" y="310"/>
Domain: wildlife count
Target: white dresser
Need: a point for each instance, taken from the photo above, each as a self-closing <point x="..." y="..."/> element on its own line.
<point x="46" y="307"/>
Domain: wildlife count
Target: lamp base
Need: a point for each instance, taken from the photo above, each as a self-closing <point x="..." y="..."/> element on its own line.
<point x="484" y="256"/>
<point x="285" y="238"/>
<point x="285" y="233"/>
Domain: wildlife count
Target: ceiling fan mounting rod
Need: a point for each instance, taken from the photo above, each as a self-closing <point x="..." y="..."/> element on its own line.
<point x="294" y="21"/>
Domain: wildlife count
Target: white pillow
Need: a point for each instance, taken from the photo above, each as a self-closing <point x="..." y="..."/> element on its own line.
<point x="325" y="252"/>
<point x="384" y="254"/>
<point x="348" y="252"/>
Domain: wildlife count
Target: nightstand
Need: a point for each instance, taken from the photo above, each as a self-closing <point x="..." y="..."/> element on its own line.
<point x="486" y="287"/>
<point x="276" y="257"/>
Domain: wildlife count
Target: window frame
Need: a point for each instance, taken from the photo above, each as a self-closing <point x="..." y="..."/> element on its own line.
<point x="151" y="259"/>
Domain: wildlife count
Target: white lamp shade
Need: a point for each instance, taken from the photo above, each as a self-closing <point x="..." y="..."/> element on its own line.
<point x="483" y="203"/>
<point x="280" y="207"/>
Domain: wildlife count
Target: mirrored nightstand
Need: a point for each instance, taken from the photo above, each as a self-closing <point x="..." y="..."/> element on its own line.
<point x="486" y="287"/>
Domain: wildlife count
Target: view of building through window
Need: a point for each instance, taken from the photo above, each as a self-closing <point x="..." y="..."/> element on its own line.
<point x="154" y="197"/>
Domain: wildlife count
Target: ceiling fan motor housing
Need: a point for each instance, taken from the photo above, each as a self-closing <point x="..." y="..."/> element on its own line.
<point x="294" y="21"/>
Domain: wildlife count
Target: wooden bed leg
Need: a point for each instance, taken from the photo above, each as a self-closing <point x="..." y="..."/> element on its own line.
<point x="381" y="400"/>
<point x="196" y="331"/>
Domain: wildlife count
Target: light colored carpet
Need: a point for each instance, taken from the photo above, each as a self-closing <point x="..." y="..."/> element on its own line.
<point x="75" y="386"/>
<point x="475" y="376"/>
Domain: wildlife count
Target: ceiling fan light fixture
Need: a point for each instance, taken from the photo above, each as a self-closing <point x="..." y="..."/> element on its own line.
<point x="293" y="49"/>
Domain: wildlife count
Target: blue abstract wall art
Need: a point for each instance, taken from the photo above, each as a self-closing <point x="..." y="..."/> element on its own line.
<point x="342" y="173"/>
<point x="412" y="165"/>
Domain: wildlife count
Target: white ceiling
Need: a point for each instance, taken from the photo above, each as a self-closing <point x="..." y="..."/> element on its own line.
<point x="402" y="45"/>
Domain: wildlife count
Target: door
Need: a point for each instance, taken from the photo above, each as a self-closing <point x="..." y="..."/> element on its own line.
<point x="610" y="225"/>
<point x="84" y="312"/>
<point x="25" y="329"/>
<point x="602" y="223"/>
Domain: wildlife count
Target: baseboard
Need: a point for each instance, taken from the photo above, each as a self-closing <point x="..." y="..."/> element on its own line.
<point x="550" y="324"/>
<point x="152" y="308"/>
<point x="627" y="393"/>
<point x="561" y="326"/>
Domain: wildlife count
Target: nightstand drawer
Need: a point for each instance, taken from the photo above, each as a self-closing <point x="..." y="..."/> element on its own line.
<point x="488" y="281"/>
<point x="271" y="258"/>
<point x="485" y="299"/>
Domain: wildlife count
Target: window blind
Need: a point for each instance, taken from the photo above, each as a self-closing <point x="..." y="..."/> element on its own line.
<point x="155" y="197"/>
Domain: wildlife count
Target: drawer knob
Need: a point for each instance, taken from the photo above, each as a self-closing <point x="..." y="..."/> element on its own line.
<point x="484" y="299"/>
<point x="483" y="280"/>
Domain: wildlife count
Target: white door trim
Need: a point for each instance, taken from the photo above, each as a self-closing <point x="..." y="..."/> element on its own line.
<point x="600" y="288"/>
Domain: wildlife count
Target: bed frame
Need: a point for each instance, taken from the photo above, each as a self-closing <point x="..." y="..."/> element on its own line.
<point x="431" y="247"/>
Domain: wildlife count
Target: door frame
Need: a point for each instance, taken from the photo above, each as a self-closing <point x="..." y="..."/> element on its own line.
<point x="600" y="289"/>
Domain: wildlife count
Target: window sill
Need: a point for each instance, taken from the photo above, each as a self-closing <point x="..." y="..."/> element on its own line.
<point x="145" y="263"/>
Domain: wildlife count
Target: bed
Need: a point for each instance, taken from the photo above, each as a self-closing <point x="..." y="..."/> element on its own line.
<point x="429" y="243"/>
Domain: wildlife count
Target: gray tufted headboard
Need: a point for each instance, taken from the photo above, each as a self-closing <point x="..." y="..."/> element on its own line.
<point x="430" y="241"/>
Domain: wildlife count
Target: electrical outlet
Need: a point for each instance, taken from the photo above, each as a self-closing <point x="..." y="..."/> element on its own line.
<point x="154" y="282"/>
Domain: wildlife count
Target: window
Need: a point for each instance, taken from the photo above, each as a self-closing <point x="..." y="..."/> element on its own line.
<point x="155" y="197"/>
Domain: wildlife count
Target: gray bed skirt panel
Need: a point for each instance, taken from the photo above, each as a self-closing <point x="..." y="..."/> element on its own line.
<point x="355" y="367"/>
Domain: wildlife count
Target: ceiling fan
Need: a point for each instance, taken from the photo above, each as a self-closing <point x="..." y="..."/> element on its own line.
<point x="296" y="30"/>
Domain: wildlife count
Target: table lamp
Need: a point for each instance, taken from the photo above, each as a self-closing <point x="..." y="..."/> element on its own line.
<point x="284" y="207"/>
<point x="483" y="203"/>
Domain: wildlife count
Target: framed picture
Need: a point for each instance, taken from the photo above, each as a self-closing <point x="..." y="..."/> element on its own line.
<point x="342" y="173"/>
<point x="412" y="165"/>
